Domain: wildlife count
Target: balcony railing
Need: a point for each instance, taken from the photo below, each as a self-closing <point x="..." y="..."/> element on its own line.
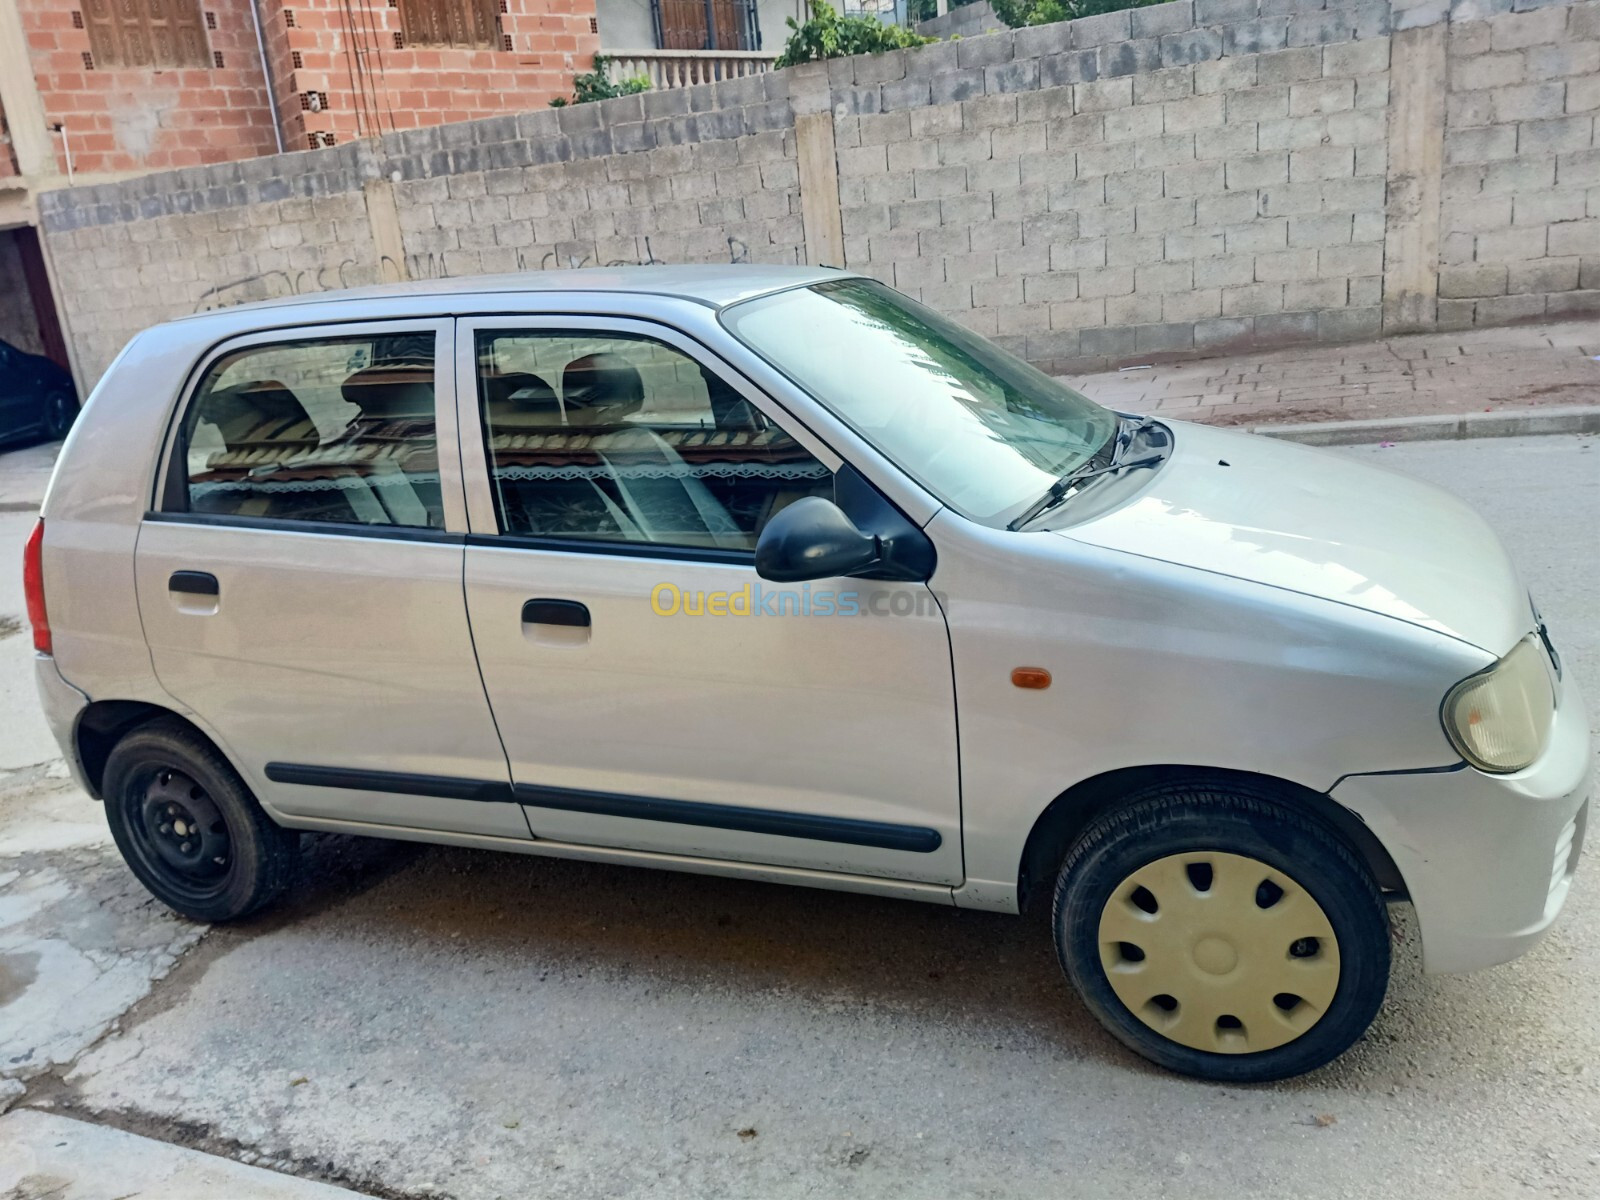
<point x="685" y="68"/>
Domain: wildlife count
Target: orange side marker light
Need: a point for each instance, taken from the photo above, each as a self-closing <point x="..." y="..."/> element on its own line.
<point x="1034" y="678"/>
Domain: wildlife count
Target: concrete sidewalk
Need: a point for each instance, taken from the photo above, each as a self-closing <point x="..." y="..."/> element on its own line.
<point x="49" y="1157"/>
<point x="1524" y="366"/>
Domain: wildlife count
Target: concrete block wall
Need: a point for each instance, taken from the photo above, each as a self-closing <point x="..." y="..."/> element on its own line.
<point x="714" y="185"/>
<point x="702" y="174"/>
<point x="1197" y="176"/>
<point x="1116" y="186"/>
<point x="118" y="277"/>
<point x="1521" y="180"/>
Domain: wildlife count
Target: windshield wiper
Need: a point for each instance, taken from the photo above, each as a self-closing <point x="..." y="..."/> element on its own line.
<point x="1060" y="488"/>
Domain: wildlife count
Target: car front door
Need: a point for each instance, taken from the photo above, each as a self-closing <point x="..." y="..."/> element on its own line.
<point x="300" y="580"/>
<point x="653" y="694"/>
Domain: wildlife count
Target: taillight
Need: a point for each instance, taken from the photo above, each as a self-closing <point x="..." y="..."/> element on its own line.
<point x="33" y="588"/>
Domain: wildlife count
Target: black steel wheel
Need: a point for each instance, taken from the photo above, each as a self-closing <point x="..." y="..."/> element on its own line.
<point x="188" y="827"/>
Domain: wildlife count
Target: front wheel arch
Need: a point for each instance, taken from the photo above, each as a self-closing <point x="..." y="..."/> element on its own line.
<point x="1070" y="813"/>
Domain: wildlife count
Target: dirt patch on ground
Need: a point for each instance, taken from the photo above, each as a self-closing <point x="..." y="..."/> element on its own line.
<point x="1560" y="393"/>
<point x="1278" y="414"/>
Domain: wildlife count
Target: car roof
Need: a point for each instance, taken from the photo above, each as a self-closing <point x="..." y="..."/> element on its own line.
<point x="713" y="285"/>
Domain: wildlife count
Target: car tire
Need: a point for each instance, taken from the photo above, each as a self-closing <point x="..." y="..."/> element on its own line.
<point x="1265" y="941"/>
<point x="60" y="411"/>
<point x="189" y="828"/>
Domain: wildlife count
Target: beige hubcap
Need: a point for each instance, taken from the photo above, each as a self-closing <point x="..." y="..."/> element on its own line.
<point x="1219" y="952"/>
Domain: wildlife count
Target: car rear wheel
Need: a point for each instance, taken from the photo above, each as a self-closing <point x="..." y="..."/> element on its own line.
<point x="60" y="410"/>
<point x="188" y="827"/>
<point x="1221" y="934"/>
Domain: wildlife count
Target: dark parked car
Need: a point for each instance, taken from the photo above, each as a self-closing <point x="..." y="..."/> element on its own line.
<point x="37" y="398"/>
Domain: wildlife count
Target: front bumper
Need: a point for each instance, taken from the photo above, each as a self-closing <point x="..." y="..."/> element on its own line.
<point x="62" y="704"/>
<point x="1487" y="859"/>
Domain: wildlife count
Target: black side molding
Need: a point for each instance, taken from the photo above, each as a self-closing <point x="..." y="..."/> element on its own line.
<point x="849" y="831"/>
<point x="445" y="787"/>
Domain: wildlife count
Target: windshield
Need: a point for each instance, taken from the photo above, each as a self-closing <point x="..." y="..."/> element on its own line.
<point x="980" y="429"/>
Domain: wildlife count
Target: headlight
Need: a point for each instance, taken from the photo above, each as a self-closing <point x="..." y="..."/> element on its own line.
<point x="1499" y="719"/>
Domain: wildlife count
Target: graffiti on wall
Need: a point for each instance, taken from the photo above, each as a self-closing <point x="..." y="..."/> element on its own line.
<point x="280" y="285"/>
<point x="433" y="265"/>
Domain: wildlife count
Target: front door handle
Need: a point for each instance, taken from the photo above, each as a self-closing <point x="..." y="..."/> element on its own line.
<point x="556" y="612"/>
<point x="195" y="583"/>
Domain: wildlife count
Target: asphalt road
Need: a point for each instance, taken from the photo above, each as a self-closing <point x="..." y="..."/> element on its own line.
<point x="441" y="1022"/>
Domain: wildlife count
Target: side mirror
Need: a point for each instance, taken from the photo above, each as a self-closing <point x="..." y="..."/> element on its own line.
<point x="813" y="539"/>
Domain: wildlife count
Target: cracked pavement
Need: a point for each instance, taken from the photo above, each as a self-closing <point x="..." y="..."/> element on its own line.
<point x="80" y="941"/>
<point x="423" y="1021"/>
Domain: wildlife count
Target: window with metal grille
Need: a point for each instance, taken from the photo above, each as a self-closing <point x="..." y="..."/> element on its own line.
<point x="147" y="33"/>
<point x="464" y="23"/>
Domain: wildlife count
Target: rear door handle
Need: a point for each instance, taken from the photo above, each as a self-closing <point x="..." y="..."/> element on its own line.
<point x="556" y="612"/>
<point x="195" y="583"/>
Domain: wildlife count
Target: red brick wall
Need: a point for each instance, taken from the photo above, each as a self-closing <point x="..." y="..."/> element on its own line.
<point x="129" y="119"/>
<point x="121" y="119"/>
<point x="414" y="86"/>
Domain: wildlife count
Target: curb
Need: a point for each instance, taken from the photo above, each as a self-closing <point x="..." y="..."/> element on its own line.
<point x="1514" y="422"/>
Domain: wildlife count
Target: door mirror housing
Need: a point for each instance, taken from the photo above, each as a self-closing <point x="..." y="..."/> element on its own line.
<point x="813" y="539"/>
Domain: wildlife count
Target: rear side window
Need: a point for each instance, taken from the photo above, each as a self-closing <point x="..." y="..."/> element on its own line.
<point x="338" y="429"/>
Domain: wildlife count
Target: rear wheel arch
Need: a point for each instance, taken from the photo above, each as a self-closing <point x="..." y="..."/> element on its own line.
<point x="1070" y="813"/>
<point x="104" y="723"/>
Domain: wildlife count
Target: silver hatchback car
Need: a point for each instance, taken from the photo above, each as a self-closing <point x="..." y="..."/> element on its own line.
<point x="772" y="572"/>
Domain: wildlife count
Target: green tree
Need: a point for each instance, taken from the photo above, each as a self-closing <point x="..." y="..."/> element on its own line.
<point x="829" y="35"/>
<point x="597" y="85"/>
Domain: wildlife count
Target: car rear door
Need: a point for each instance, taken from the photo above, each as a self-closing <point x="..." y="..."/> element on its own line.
<point x="299" y="579"/>
<point x="653" y="694"/>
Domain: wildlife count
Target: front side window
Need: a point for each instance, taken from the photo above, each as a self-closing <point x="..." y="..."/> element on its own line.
<point x="337" y="429"/>
<point x="980" y="429"/>
<point x="623" y="438"/>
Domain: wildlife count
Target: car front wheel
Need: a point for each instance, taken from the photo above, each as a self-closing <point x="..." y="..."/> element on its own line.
<point x="1221" y="934"/>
